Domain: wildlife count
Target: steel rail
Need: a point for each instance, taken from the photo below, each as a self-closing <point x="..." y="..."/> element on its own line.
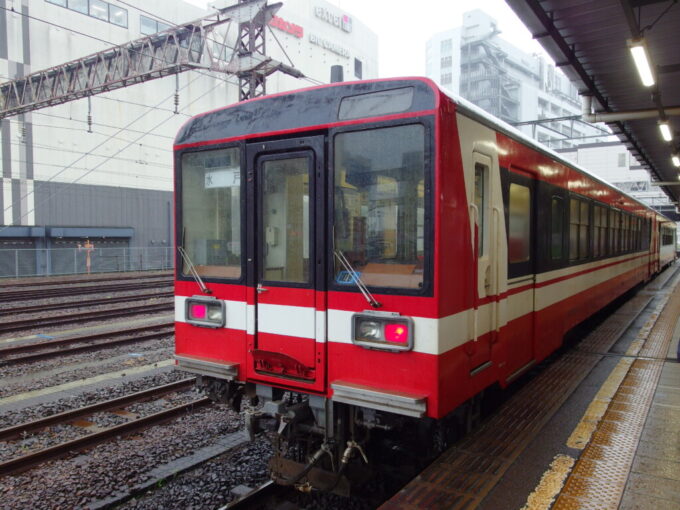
<point x="17" y="325"/>
<point x="51" y="280"/>
<point x="85" y="348"/>
<point x="79" y="304"/>
<point x="82" y="338"/>
<point x="69" y="291"/>
<point x="17" y="431"/>
<point x="27" y="461"/>
<point x="257" y="497"/>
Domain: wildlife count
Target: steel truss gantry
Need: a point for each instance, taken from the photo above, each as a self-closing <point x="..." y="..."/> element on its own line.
<point x="190" y="46"/>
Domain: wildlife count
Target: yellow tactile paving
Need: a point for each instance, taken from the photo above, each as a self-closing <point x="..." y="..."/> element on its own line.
<point x="465" y="474"/>
<point x="550" y="485"/>
<point x="600" y="475"/>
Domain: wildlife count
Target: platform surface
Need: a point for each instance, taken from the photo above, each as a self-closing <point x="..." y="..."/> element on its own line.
<point x="604" y="434"/>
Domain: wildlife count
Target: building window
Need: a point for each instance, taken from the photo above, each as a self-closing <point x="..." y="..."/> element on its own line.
<point x="446" y="79"/>
<point x="118" y="16"/>
<point x="446" y="61"/>
<point x="150" y="26"/>
<point x="78" y="5"/>
<point x="96" y="9"/>
<point x="358" y="68"/>
<point x="99" y="10"/>
<point x="446" y="45"/>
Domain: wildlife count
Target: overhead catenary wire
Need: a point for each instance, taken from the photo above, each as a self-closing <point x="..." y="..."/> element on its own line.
<point x="49" y="197"/>
<point x="150" y="108"/>
<point x="109" y="137"/>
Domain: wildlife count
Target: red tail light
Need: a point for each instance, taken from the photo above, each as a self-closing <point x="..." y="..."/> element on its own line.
<point x="396" y="333"/>
<point x="382" y="330"/>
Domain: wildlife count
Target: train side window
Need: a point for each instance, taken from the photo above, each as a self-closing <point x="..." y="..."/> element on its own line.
<point x="519" y="224"/>
<point x="583" y="231"/>
<point x="614" y="224"/>
<point x="556" y="227"/>
<point x="599" y="231"/>
<point x="480" y="203"/>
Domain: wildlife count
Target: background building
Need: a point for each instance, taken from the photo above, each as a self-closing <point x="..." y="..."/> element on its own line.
<point x="474" y="62"/>
<point x="612" y="162"/>
<point x="101" y="168"/>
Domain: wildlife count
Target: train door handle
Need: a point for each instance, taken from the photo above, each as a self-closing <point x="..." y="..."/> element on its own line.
<point x="260" y="289"/>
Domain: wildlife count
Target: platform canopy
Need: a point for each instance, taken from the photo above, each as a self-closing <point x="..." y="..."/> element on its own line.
<point x="590" y="41"/>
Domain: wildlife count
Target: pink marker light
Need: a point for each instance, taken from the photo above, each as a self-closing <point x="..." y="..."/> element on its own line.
<point x="199" y="311"/>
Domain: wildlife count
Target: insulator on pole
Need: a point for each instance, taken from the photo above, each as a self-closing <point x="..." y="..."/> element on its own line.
<point x="176" y="93"/>
<point x="89" y="114"/>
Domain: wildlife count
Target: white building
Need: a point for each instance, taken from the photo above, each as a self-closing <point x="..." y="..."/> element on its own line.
<point x="612" y="162"/>
<point x="474" y="62"/>
<point x="64" y="179"/>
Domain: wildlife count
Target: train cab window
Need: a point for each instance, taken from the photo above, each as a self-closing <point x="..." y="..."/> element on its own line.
<point x="379" y="198"/>
<point x="211" y="212"/>
<point x="519" y="224"/>
<point x="579" y="223"/>
<point x="556" y="227"/>
<point x="481" y="171"/>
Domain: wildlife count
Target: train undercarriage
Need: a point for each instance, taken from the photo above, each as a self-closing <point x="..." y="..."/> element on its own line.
<point x="340" y="448"/>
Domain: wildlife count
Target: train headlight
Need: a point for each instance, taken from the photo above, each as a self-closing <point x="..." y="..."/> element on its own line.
<point x="382" y="330"/>
<point x="206" y="312"/>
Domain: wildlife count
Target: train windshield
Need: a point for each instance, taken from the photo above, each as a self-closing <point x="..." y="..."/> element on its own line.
<point x="211" y="212"/>
<point x="380" y="205"/>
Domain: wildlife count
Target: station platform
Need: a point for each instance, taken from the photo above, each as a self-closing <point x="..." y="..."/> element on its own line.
<point x="597" y="427"/>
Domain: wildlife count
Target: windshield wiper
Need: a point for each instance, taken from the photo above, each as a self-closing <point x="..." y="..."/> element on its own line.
<point x="356" y="279"/>
<point x="192" y="270"/>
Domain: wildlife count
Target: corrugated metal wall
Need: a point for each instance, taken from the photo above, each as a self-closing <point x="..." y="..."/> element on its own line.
<point x="147" y="211"/>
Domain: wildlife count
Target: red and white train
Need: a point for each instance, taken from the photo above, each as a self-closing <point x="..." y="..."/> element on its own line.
<point x="367" y="258"/>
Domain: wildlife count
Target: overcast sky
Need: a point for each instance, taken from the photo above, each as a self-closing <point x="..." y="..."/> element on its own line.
<point x="403" y="27"/>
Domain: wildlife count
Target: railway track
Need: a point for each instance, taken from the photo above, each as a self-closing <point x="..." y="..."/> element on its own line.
<point x="43" y="293"/>
<point x="37" y="282"/>
<point x="46" y="322"/>
<point x="23" y="462"/>
<point x="266" y="496"/>
<point x="81" y="304"/>
<point x="64" y="346"/>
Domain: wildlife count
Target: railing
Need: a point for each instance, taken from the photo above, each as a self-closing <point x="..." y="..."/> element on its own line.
<point x="44" y="262"/>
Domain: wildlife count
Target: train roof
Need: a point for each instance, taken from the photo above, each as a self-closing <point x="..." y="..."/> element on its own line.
<point x="474" y="111"/>
<point x="319" y="106"/>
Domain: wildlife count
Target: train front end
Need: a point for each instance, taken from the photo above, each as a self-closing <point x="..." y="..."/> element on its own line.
<point x="305" y="272"/>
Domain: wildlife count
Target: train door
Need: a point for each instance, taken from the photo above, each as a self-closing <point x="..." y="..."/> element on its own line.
<point x="520" y="211"/>
<point x="288" y="339"/>
<point x="486" y="219"/>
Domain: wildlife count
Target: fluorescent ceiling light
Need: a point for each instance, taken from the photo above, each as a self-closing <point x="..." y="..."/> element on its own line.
<point x="638" y="49"/>
<point x="665" y="129"/>
<point x="676" y="160"/>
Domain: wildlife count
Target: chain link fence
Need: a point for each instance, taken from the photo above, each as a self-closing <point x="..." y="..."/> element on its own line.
<point x="43" y="262"/>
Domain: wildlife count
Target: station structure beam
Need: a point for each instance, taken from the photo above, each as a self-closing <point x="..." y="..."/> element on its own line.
<point x="189" y="46"/>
